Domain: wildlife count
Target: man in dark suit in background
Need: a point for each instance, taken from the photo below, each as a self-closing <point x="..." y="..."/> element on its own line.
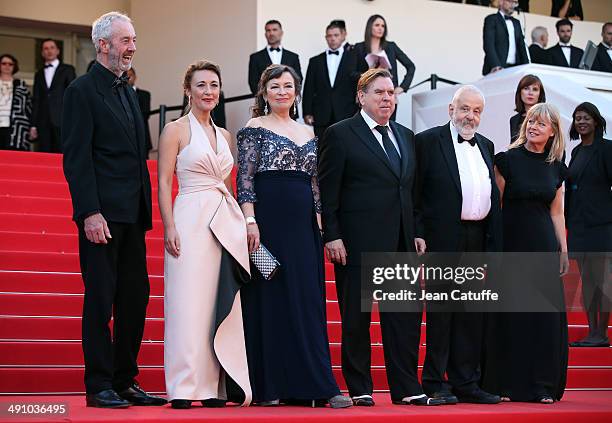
<point x="456" y="210"/>
<point x="503" y="40"/>
<point x="563" y="53"/>
<point x="330" y="87"/>
<point x="366" y="174"/>
<point x="537" y="50"/>
<point x="144" y="102"/>
<point x="50" y="82"/>
<point x="603" y="60"/>
<point x="105" y="166"/>
<point x="273" y="53"/>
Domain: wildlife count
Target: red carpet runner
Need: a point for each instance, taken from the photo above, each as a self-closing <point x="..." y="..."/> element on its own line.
<point x="41" y="300"/>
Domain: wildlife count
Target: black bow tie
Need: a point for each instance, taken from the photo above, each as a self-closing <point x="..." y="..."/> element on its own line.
<point x="507" y="17"/>
<point x="48" y="65"/>
<point x="566" y="46"/>
<point x="336" y="52"/>
<point x="121" y="80"/>
<point x="274" y="48"/>
<point x="471" y="141"/>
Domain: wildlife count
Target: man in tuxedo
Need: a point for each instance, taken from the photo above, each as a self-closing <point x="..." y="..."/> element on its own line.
<point x="50" y="82"/>
<point x="274" y="53"/>
<point x="503" y="40"/>
<point x="366" y="173"/>
<point x="537" y="50"/>
<point x="563" y="53"/>
<point x="330" y="87"/>
<point x="144" y="103"/>
<point x="603" y="60"/>
<point x="105" y="166"/>
<point x="456" y="210"/>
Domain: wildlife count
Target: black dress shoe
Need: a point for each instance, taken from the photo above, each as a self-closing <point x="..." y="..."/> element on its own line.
<point x="106" y="399"/>
<point x="479" y="397"/>
<point x="363" y="401"/>
<point x="419" y="400"/>
<point x="213" y="403"/>
<point x="447" y="397"/>
<point x="137" y="396"/>
<point x="180" y="404"/>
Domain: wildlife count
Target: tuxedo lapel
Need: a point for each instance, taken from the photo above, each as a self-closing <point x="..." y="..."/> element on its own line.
<point x="265" y="58"/>
<point x="402" y="143"/>
<point x="325" y="71"/>
<point x="486" y="155"/>
<point x="56" y="76"/>
<point x="366" y="136"/>
<point x="590" y="153"/>
<point x="448" y="151"/>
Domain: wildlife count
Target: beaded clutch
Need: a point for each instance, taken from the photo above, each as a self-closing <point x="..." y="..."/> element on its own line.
<point x="265" y="262"/>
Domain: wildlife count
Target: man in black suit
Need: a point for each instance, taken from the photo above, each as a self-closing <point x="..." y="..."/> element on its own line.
<point x="50" y="82"/>
<point x="603" y="60"/>
<point x="537" y="50"/>
<point x="366" y="174"/>
<point x="330" y="87"/>
<point x="563" y="53"/>
<point x="503" y="40"/>
<point x="105" y="166"/>
<point x="273" y="53"/>
<point x="456" y="210"/>
<point x="144" y="103"/>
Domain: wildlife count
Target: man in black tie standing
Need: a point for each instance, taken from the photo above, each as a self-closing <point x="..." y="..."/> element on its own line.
<point x="603" y="60"/>
<point x="456" y="210"/>
<point x="274" y="53"/>
<point x="330" y="87"/>
<point x="537" y="49"/>
<point x="503" y="40"/>
<point x="50" y="82"/>
<point x="563" y="53"/>
<point x="366" y="174"/>
<point x="105" y="166"/>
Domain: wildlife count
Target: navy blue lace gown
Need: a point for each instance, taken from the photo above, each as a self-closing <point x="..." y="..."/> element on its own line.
<point x="285" y="317"/>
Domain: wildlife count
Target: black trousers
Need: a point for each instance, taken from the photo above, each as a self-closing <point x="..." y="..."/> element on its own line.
<point x="117" y="285"/>
<point x="49" y="140"/>
<point x="401" y="332"/>
<point x="454" y="339"/>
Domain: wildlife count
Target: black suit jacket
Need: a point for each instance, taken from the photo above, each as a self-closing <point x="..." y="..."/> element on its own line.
<point x="515" y="126"/>
<point x="394" y="54"/>
<point x="47" y="103"/>
<point x="144" y="102"/>
<point x="438" y="197"/>
<point x="104" y="160"/>
<point x="330" y="104"/>
<point x="538" y="54"/>
<point x="557" y="58"/>
<point x="589" y="194"/>
<point x="260" y="60"/>
<point x="364" y="202"/>
<point x="602" y="62"/>
<point x="495" y="40"/>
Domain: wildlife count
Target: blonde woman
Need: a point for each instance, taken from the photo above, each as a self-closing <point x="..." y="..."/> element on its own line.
<point x="527" y="352"/>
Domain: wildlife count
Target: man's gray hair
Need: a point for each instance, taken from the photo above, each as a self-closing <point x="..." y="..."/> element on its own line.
<point x="101" y="29"/>
<point x="536" y="34"/>
<point x="468" y="89"/>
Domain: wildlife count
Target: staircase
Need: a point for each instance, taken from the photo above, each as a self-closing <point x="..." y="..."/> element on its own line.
<point x="41" y="294"/>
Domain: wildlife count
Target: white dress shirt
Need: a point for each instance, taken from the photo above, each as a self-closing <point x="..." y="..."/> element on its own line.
<point x="275" y="56"/>
<point x="474" y="178"/>
<point x="567" y="52"/>
<point x="333" y="62"/>
<point x="372" y="125"/>
<point x="511" y="59"/>
<point x="50" y="71"/>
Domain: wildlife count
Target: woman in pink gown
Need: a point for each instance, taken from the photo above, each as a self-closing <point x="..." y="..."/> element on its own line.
<point x="206" y="258"/>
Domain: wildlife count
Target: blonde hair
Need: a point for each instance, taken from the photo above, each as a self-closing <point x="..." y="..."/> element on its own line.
<point x="547" y="112"/>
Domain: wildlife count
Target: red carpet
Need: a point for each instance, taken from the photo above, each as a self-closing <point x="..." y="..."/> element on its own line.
<point x="40" y="307"/>
<point x="582" y="407"/>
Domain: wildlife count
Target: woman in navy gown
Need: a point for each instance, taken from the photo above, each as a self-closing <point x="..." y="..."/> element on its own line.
<point x="285" y="317"/>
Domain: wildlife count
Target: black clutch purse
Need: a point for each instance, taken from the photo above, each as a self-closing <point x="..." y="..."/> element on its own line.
<point x="265" y="262"/>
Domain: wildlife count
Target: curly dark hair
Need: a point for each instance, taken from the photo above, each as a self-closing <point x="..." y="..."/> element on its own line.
<point x="270" y="73"/>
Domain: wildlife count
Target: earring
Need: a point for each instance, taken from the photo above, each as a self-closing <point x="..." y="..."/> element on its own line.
<point x="295" y="108"/>
<point x="266" y="108"/>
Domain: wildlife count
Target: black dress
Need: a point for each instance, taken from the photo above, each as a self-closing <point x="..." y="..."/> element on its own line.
<point x="527" y="351"/>
<point x="285" y="318"/>
<point x="516" y="122"/>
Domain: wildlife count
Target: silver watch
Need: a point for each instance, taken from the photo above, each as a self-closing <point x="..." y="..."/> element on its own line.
<point x="250" y="220"/>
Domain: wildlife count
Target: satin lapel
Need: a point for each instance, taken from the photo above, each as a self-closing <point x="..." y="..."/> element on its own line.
<point x="112" y="102"/>
<point x="367" y="138"/>
<point x="138" y="123"/>
<point x="56" y="75"/>
<point x="325" y="71"/>
<point x="403" y="147"/>
<point x="503" y="24"/>
<point x="485" y="155"/>
<point x="591" y="152"/>
<point x="448" y="151"/>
